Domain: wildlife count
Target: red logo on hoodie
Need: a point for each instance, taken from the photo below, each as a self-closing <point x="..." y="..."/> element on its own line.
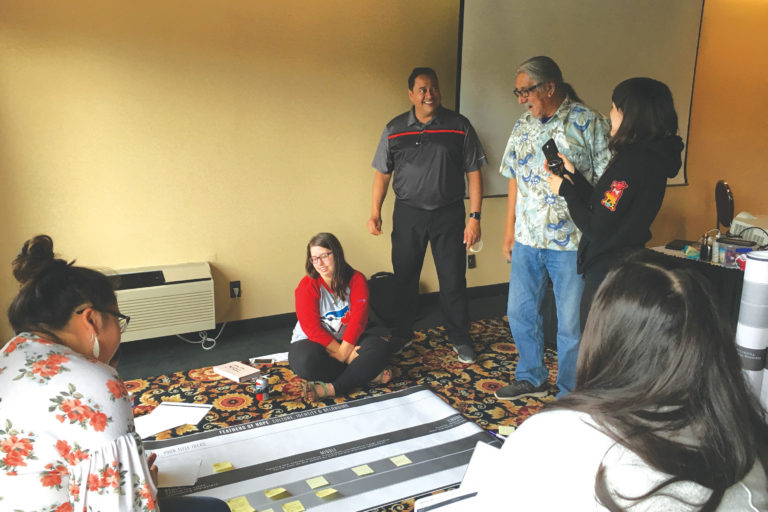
<point x="613" y="194"/>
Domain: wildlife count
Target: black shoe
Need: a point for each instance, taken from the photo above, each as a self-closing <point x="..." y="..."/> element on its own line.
<point x="399" y="344"/>
<point x="465" y="352"/>
<point x="520" y="388"/>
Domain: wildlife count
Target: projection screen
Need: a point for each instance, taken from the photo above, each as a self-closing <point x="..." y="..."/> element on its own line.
<point x="596" y="43"/>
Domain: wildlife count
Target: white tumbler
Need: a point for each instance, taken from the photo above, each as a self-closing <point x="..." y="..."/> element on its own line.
<point x="752" y="329"/>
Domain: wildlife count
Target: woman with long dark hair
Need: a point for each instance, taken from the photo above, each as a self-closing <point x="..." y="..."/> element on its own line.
<point x="329" y="346"/>
<point x="615" y="215"/>
<point x="67" y="439"/>
<point x="661" y="417"/>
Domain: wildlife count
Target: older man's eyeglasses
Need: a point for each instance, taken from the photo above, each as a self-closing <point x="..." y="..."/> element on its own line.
<point x="525" y="91"/>
<point x="320" y="257"/>
<point x="122" y="320"/>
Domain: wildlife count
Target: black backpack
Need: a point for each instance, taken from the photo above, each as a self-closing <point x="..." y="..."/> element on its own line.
<point x="381" y="290"/>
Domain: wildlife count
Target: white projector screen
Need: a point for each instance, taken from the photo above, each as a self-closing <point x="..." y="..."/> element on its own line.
<point x="596" y="43"/>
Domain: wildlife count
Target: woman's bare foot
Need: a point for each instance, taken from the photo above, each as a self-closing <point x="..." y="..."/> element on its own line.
<point x="384" y="377"/>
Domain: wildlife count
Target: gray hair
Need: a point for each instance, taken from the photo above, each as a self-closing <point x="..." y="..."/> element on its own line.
<point x="544" y="69"/>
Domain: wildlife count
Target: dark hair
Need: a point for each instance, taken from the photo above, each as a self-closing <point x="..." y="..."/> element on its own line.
<point x="648" y="111"/>
<point x="418" y="72"/>
<point x="342" y="271"/>
<point x="656" y="362"/>
<point x="544" y="69"/>
<point x="51" y="289"/>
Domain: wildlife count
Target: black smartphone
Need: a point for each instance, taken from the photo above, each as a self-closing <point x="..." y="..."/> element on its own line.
<point x="554" y="162"/>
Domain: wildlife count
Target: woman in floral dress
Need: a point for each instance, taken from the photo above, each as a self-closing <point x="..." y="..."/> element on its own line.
<point x="67" y="439"/>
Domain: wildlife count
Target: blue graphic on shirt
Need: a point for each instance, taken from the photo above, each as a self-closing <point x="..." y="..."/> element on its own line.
<point x="574" y="116"/>
<point x="559" y="233"/>
<point x="524" y="161"/>
<point x="532" y="177"/>
<point x="338" y="314"/>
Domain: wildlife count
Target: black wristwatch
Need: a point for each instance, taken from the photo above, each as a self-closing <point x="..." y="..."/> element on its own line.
<point x="475" y="215"/>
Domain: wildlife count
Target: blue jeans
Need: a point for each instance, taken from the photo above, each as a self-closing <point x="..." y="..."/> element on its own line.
<point x="527" y="284"/>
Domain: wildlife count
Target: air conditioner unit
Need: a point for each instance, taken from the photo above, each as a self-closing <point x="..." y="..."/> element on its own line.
<point x="166" y="300"/>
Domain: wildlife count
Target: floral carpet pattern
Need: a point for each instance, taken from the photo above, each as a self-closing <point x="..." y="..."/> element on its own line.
<point x="429" y="361"/>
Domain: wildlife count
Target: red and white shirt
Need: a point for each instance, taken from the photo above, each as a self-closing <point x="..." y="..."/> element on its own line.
<point x="324" y="317"/>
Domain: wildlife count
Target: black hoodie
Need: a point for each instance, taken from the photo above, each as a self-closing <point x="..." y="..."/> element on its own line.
<point x="615" y="215"/>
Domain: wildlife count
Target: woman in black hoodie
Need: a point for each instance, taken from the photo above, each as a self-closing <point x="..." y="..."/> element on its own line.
<point x="615" y="215"/>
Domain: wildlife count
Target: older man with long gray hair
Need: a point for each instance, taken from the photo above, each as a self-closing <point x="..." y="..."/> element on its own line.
<point x="540" y="238"/>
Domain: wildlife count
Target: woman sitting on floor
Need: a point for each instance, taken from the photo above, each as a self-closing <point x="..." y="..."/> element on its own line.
<point x="67" y="440"/>
<point x="660" y="419"/>
<point x="329" y="347"/>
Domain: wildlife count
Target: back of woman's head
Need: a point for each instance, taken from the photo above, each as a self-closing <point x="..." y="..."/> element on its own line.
<point x="648" y="111"/>
<point x="652" y="330"/>
<point x="51" y="289"/>
<point x="658" y="361"/>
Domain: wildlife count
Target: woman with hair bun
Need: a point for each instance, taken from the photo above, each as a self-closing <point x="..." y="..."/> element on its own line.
<point x="615" y="214"/>
<point x="329" y="346"/>
<point x="67" y="439"/>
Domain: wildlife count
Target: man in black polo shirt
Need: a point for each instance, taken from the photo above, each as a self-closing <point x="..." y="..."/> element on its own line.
<point x="429" y="150"/>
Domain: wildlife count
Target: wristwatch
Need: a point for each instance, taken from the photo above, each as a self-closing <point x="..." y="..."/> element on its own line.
<point x="475" y="215"/>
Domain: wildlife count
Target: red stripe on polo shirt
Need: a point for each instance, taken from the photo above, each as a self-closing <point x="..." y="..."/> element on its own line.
<point x="460" y="132"/>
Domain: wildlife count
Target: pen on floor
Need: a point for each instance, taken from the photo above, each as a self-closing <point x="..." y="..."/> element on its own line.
<point x="497" y="436"/>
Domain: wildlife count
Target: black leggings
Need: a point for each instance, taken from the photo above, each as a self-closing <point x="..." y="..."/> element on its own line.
<point x="310" y="361"/>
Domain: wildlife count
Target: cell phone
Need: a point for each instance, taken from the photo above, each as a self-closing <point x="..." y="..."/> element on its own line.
<point x="260" y="360"/>
<point x="554" y="162"/>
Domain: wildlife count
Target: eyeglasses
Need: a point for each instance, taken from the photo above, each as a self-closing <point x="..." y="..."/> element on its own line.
<point x="525" y="91"/>
<point x="122" y="320"/>
<point x="322" y="257"/>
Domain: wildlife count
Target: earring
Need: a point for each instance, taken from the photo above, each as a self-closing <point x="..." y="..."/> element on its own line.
<point x="96" y="346"/>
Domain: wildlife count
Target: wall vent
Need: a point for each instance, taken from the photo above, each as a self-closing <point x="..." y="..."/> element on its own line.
<point x="166" y="300"/>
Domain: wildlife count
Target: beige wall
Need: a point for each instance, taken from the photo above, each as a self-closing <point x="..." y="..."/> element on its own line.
<point x="729" y="121"/>
<point x="145" y="133"/>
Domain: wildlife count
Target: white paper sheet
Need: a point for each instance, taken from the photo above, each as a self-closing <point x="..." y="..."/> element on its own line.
<point x="169" y="415"/>
<point x="178" y="471"/>
<point x="465" y="498"/>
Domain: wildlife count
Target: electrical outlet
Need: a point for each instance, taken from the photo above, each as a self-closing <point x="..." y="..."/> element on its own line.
<point x="234" y="290"/>
<point x="471" y="262"/>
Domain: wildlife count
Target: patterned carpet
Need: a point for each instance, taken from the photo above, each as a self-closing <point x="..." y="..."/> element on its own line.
<point x="429" y="361"/>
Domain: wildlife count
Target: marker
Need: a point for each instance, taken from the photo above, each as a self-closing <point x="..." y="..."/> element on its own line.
<point x="497" y="436"/>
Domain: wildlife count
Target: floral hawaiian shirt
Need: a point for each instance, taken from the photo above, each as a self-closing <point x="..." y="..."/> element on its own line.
<point x="67" y="441"/>
<point x="542" y="220"/>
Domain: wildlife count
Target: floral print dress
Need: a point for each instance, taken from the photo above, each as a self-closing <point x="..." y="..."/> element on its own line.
<point x="67" y="440"/>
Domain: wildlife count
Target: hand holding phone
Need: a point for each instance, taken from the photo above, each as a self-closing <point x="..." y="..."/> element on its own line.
<point x="554" y="162"/>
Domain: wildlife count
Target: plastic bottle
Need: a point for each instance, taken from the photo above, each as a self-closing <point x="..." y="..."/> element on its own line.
<point x="716" y="249"/>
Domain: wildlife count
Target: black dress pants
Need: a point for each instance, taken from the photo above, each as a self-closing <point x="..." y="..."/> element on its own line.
<point x="443" y="228"/>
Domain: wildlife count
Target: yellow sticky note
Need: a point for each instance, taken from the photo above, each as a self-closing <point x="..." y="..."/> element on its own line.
<point x="363" y="470"/>
<point x="400" y="460"/>
<point x="316" y="482"/>
<point x="220" y="467"/>
<point x="274" y="493"/>
<point x="268" y="510"/>
<point x="293" y="506"/>
<point x="505" y="430"/>
<point x="240" y="504"/>
<point x="323" y="493"/>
